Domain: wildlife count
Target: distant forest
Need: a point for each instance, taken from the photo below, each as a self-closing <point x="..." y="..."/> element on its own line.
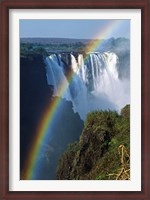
<point x="49" y="44"/>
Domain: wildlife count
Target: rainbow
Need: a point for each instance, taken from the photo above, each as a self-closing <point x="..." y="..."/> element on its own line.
<point x="51" y="111"/>
<point x="42" y="129"/>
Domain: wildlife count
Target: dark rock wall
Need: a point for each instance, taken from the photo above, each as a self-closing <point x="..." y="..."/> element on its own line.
<point x="35" y="95"/>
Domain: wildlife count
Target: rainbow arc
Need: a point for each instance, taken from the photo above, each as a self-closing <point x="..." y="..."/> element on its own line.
<point x="50" y="114"/>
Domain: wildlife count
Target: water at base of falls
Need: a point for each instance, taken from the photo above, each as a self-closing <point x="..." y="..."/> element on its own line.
<point x="94" y="82"/>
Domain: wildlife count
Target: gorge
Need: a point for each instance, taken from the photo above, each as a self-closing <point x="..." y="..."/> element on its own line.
<point x="60" y="88"/>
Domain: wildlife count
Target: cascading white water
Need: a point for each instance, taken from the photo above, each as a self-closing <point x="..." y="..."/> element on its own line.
<point x="95" y="83"/>
<point x="55" y="76"/>
<point x="82" y="68"/>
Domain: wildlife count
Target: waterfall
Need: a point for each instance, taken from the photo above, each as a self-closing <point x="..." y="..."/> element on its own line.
<point x="55" y="76"/>
<point x="95" y="83"/>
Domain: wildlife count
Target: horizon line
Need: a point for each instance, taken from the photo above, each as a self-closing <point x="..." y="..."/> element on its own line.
<point x="74" y="38"/>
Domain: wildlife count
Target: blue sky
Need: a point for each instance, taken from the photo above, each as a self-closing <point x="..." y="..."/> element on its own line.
<point x="79" y="29"/>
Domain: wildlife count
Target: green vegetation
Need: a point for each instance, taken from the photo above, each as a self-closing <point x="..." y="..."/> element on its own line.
<point x="102" y="151"/>
<point x="27" y="49"/>
<point x="30" y="50"/>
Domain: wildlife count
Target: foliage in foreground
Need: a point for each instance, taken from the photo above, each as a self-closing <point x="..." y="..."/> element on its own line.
<point x="102" y="152"/>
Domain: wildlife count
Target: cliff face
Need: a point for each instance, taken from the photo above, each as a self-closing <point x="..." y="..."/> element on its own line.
<point x="95" y="155"/>
<point x="35" y="95"/>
